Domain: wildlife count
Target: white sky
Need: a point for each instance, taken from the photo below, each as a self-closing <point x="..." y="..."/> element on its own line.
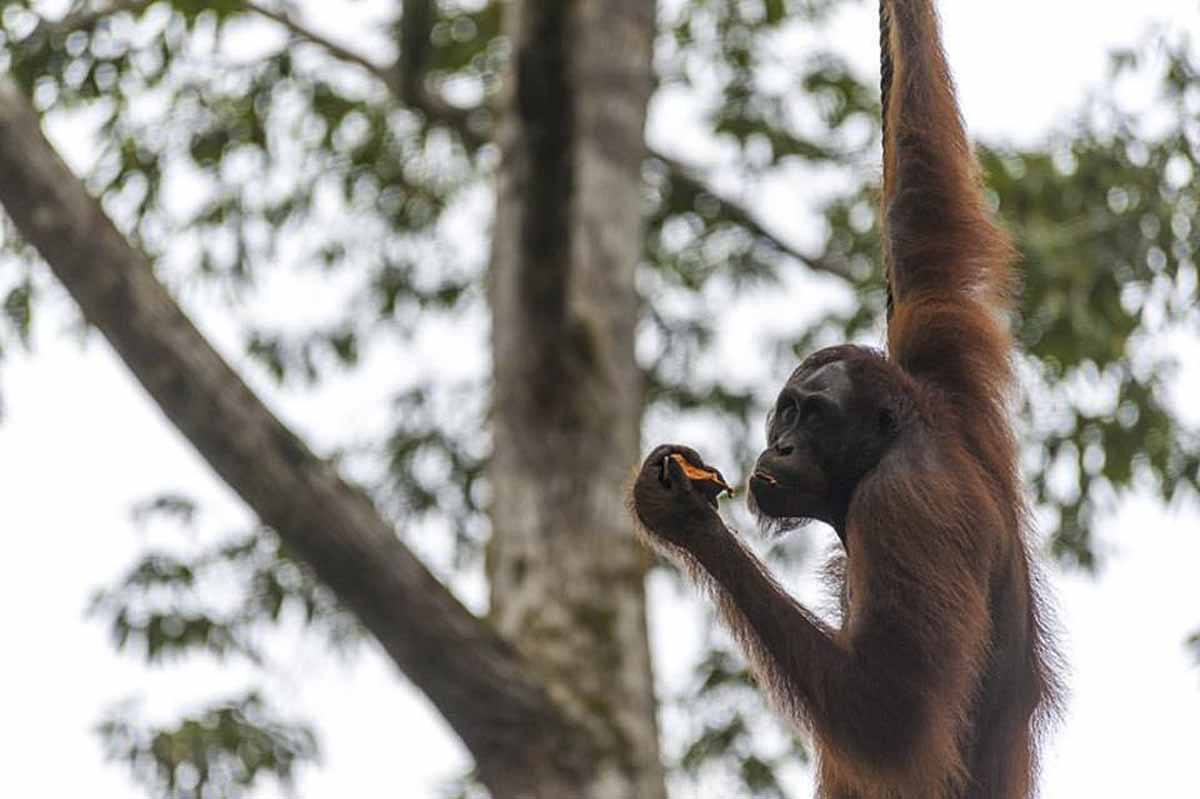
<point x="80" y="443"/>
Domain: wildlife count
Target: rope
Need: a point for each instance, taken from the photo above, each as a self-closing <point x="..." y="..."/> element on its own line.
<point x="885" y="91"/>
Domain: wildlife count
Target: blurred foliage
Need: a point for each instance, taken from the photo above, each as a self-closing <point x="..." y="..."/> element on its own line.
<point x="222" y="600"/>
<point x="731" y="728"/>
<point x="219" y="752"/>
<point x="435" y="462"/>
<point x="218" y="598"/>
<point x="235" y="150"/>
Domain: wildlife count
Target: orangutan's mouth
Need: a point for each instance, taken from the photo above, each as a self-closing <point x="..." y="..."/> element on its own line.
<point x="766" y="478"/>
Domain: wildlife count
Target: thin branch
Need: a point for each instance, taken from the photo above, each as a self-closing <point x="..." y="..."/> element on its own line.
<point x="688" y="177"/>
<point x="86" y="18"/>
<point x="410" y="92"/>
<point x="386" y="74"/>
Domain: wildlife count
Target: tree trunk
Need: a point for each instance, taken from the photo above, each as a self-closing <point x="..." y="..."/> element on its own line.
<point x="566" y="573"/>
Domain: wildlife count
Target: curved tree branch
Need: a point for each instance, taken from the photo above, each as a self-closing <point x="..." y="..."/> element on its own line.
<point x="82" y="19"/>
<point x="688" y="177"/>
<point x="403" y="78"/>
<point x="520" y="741"/>
<point x="386" y="74"/>
<point x="88" y="17"/>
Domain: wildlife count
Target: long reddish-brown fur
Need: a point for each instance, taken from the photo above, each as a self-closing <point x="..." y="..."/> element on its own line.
<point x="939" y="678"/>
<point x="951" y="271"/>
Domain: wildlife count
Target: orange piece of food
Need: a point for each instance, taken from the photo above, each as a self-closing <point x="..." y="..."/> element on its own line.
<point x="699" y="474"/>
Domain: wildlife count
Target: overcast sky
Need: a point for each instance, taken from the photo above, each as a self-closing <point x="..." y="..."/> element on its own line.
<point x="80" y="442"/>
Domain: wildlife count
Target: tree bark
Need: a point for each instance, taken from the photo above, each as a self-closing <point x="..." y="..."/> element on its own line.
<point x="522" y="743"/>
<point x="566" y="572"/>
